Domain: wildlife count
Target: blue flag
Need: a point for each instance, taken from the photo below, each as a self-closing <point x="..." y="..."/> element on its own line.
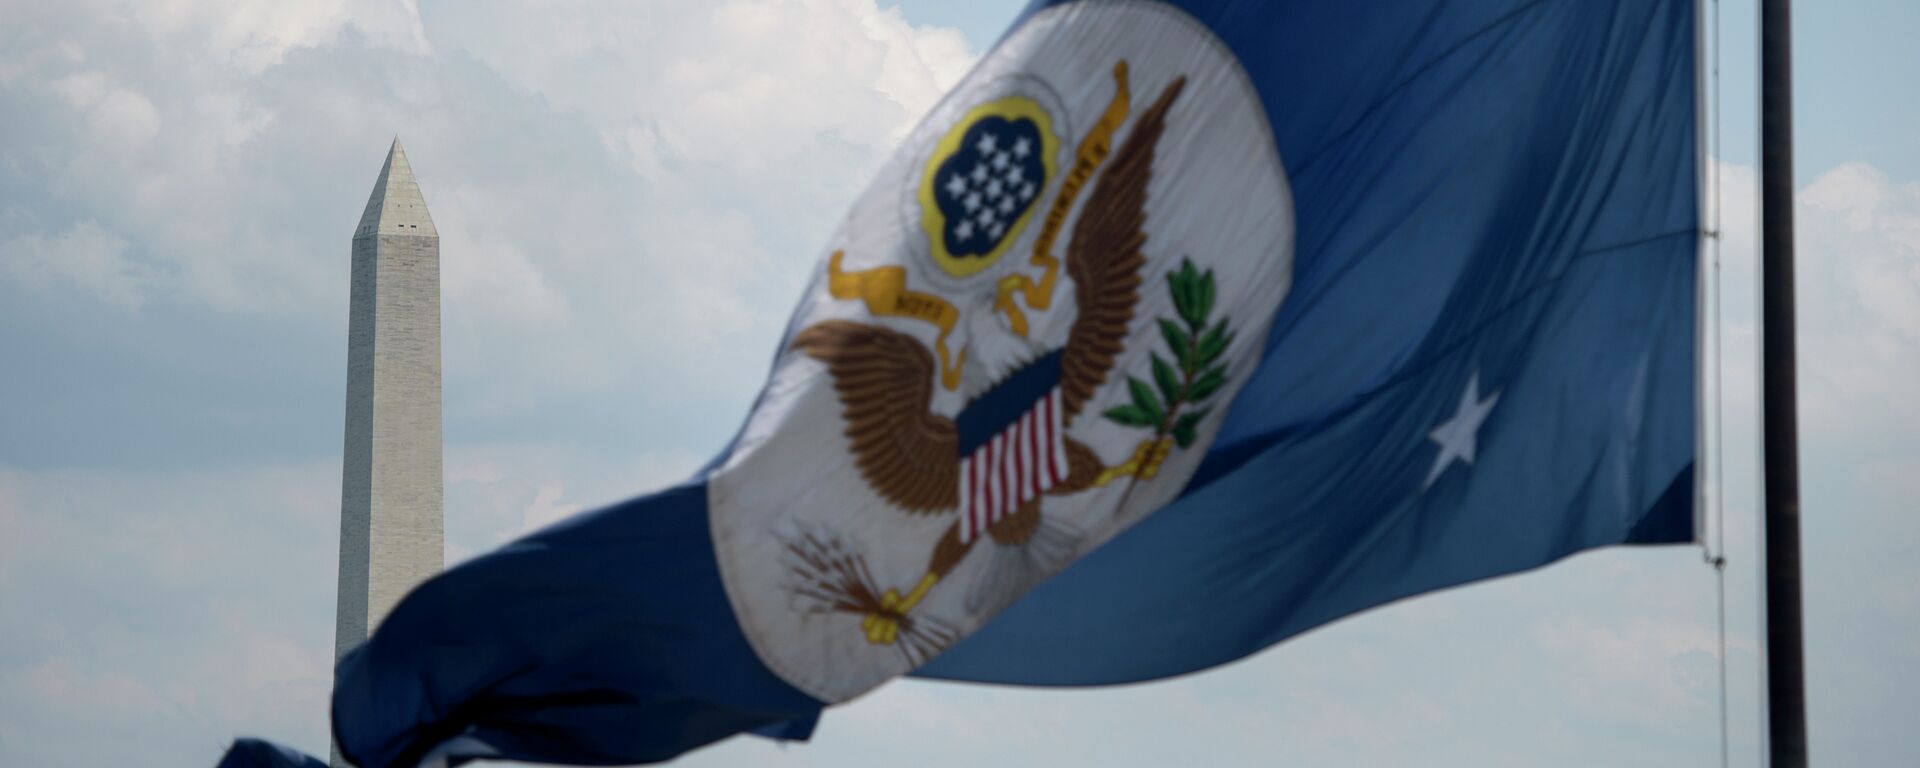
<point x="1174" y="330"/>
<point x="255" y="753"/>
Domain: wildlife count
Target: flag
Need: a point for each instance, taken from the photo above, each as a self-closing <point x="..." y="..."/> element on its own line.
<point x="1175" y="329"/>
<point x="255" y="753"/>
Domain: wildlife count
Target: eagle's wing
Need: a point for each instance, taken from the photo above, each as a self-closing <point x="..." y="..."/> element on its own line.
<point x="885" y="379"/>
<point x="1104" y="258"/>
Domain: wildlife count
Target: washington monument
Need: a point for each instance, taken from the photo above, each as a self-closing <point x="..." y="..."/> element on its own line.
<point x="390" y="525"/>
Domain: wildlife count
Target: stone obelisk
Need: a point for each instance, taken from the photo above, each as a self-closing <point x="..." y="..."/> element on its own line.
<point x="390" y="525"/>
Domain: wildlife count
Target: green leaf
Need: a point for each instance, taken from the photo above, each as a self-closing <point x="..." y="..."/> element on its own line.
<point x="1183" y="428"/>
<point x="1183" y="434"/>
<point x="1179" y="342"/>
<point x="1191" y="294"/>
<point x="1208" y="383"/>
<point x="1164" y="376"/>
<point x="1193" y="319"/>
<point x="1130" y="416"/>
<point x="1144" y="400"/>
<point x="1212" y="344"/>
<point x="1177" y="290"/>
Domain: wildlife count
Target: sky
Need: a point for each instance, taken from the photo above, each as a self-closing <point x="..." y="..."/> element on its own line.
<point x="628" y="196"/>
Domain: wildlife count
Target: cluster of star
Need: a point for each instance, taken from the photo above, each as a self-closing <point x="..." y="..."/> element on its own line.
<point x="991" y="192"/>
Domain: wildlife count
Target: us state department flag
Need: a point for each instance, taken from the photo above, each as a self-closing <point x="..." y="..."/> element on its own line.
<point x="1176" y="329"/>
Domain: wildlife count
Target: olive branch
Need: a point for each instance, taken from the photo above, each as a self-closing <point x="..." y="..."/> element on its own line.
<point x="1193" y="376"/>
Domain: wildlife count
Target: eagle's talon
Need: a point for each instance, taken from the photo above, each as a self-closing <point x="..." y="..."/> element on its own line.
<point x="1156" y="452"/>
<point x="882" y="626"/>
<point x="1144" y="463"/>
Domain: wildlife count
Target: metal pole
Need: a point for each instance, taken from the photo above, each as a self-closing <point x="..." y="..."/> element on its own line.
<point x="1786" y="679"/>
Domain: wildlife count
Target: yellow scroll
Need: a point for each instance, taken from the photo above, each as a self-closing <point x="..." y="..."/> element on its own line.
<point x="1092" y="152"/>
<point x="884" y="290"/>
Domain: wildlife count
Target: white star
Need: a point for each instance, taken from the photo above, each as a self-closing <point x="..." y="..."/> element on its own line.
<point x="1026" y="192"/>
<point x="979" y="173"/>
<point x="956" y="186"/>
<point x="1006" y="205"/>
<point x="987" y="143"/>
<point x="994" y="232"/>
<point x="1021" y="147"/>
<point x="971" y="201"/>
<point x="1458" y="436"/>
<point x="993" y="189"/>
<point x="999" y="161"/>
<point x="1015" y="175"/>
<point x="964" y="231"/>
<point x="985" y="216"/>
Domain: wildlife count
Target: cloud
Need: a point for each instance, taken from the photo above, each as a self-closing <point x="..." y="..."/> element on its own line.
<point x="620" y="190"/>
<point x="113" y="115"/>
<point x="253" y="36"/>
<point x="637" y="148"/>
<point x="499" y="491"/>
<point x="12" y="521"/>
<point x="1639" y="668"/>
<point x="547" y="509"/>
<point x="1860" y="433"/>
<point x="648" y="473"/>
<point x="171" y="610"/>
<point x="86" y="258"/>
<point x="1859" y="264"/>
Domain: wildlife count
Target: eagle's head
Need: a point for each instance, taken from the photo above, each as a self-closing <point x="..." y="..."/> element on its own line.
<point x="994" y="351"/>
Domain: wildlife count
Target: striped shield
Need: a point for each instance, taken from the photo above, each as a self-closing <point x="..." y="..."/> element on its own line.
<point x="1013" y="467"/>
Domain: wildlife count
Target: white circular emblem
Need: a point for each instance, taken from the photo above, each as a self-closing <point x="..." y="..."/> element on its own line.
<point x="1021" y="341"/>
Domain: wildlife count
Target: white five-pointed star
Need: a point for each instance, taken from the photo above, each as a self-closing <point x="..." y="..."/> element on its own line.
<point x="1458" y="436"/>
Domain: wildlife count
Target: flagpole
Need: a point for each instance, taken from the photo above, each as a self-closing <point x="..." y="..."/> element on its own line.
<point x="1786" y="680"/>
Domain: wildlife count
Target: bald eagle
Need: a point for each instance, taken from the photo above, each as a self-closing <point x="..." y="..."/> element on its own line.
<point x="914" y="459"/>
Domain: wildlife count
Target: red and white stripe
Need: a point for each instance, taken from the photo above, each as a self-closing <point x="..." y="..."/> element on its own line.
<point x="1013" y="468"/>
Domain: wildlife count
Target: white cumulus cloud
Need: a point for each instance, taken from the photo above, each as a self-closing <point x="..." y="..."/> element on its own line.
<point x="86" y="258"/>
